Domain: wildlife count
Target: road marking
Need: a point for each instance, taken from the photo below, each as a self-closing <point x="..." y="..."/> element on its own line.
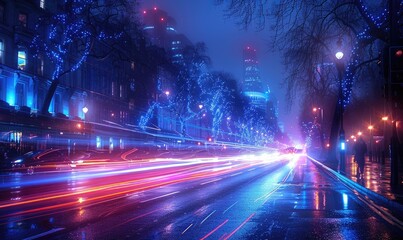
<point x="187" y="228"/>
<point x="233" y="175"/>
<point x="165" y="195"/>
<point x="214" y="180"/>
<point x="230" y="207"/>
<point x="207" y="217"/>
<point x="44" y="234"/>
<point x="266" y="196"/>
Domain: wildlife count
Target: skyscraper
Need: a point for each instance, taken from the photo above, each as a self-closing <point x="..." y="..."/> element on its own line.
<point x="160" y="28"/>
<point x="253" y="86"/>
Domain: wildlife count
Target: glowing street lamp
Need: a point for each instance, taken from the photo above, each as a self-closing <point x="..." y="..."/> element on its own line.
<point x="339" y="55"/>
<point x="385" y="145"/>
<point x="200" y="120"/>
<point x="340" y="69"/>
<point x="85" y="110"/>
<point x="370" y="128"/>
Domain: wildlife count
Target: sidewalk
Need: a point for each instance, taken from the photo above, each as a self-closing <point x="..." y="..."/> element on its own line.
<point x="376" y="178"/>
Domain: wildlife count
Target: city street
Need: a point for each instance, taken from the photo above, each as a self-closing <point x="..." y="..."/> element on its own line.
<point x="224" y="119"/>
<point x="254" y="196"/>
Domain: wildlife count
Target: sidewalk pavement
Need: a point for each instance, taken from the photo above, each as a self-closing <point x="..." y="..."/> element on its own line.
<point x="376" y="178"/>
<point x="373" y="189"/>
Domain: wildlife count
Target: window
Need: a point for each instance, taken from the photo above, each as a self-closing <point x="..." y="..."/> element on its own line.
<point x="1" y="51"/>
<point x="22" y="59"/>
<point x="113" y="92"/>
<point x="22" y="19"/>
<point x="42" y="4"/>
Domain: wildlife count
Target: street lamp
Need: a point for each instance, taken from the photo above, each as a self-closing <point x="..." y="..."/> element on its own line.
<point x="200" y="120"/>
<point x="85" y="110"/>
<point x="385" y="146"/>
<point x="370" y="127"/>
<point x="340" y="68"/>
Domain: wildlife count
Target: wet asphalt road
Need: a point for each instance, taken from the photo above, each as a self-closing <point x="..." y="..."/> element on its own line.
<point x="269" y="197"/>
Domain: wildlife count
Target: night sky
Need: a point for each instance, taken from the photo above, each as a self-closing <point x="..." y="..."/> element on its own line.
<point x="203" y="21"/>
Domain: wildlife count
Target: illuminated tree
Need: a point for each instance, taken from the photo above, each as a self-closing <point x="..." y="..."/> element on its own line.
<point x="68" y="36"/>
<point x="307" y="32"/>
<point x="186" y="99"/>
<point x="218" y="95"/>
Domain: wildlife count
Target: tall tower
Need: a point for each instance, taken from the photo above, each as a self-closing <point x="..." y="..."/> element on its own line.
<point x="160" y="29"/>
<point x="253" y="86"/>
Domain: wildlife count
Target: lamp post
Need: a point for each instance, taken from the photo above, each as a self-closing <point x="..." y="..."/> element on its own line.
<point x="85" y="110"/>
<point x="200" y="120"/>
<point x="385" y="144"/>
<point x="342" y="142"/>
<point x="370" y="127"/>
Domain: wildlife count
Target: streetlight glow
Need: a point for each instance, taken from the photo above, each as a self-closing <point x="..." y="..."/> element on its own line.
<point x="85" y="110"/>
<point x="339" y="55"/>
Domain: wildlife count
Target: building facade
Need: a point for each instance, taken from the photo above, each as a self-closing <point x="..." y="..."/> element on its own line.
<point x="102" y="87"/>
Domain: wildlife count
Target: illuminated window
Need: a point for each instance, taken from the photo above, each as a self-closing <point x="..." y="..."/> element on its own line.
<point x="42" y="4"/>
<point x="1" y="51"/>
<point x="22" y="59"/>
<point x="113" y="92"/>
<point x="22" y="19"/>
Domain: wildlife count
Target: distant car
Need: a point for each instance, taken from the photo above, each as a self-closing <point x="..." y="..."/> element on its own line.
<point x="289" y="150"/>
<point x="50" y="159"/>
<point x="78" y="158"/>
<point x="20" y="161"/>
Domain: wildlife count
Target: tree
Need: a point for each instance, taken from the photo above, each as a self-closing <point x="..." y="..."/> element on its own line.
<point x="307" y="33"/>
<point x="219" y="95"/>
<point x="186" y="98"/>
<point x="68" y="36"/>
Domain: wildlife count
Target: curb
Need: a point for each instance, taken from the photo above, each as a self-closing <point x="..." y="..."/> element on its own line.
<point x="393" y="208"/>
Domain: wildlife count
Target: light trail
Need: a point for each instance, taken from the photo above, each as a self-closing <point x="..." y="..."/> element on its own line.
<point x="121" y="183"/>
<point x="214" y="230"/>
<point x="239" y="227"/>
